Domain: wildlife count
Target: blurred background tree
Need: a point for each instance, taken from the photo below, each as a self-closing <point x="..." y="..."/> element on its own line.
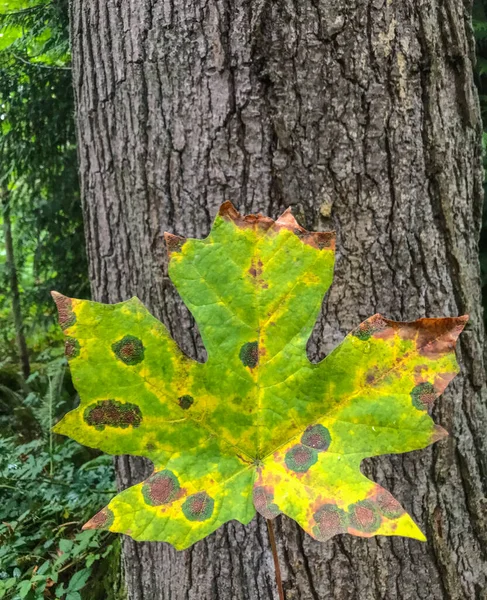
<point x="39" y="181"/>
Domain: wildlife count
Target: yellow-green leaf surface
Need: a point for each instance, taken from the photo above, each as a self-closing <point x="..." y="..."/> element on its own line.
<point x="257" y="426"/>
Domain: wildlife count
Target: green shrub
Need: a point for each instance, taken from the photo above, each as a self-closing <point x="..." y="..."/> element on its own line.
<point x="45" y="497"/>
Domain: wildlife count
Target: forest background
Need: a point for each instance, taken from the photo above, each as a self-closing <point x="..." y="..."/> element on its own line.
<point x="50" y="485"/>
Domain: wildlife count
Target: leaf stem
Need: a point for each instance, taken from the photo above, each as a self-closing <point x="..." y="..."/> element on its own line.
<point x="272" y="540"/>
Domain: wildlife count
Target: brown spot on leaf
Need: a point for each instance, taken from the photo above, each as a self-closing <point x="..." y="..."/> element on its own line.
<point x="185" y="401"/>
<point x="317" y="437"/>
<point x="387" y="504"/>
<point x="71" y="348"/>
<point x="230" y="213"/>
<point x="423" y="396"/>
<point x="364" y="516"/>
<point x="371" y="327"/>
<point x="371" y="376"/>
<point x="433" y="337"/>
<point x="198" y="507"/>
<point x="330" y="520"/>
<point x="129" y="350"/>
<point x="113" y="414"/>
<point x="102" y="520"/>
<point x="174" y="243"/>
<point x="300" y="458"/>
<point x="66" y="316"/>
<point x="287" y="221"/>
<point x="263" y="497"/>
<point x="249" y="354"/>
<point x="161" y="488"/>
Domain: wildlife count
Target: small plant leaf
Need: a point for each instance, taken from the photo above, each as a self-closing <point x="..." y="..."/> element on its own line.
<point x="257" y="426"/>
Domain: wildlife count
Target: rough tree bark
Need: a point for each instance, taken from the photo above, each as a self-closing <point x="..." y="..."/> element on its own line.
<point x="360" y="114"/>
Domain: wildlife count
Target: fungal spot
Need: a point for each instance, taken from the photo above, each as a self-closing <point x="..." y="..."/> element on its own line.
<point x="67" y="318"/>
<point x="255" y="270"/>
<point x="198" y="507"/>
<point x="388" y="505"/>
<point x="150" y="446"/>
<point x="102" y="520"/>
<point x="423" y="396"/>
<point x="371" y="376"/>
<point x="185" y="401"/>
<point x="330" y="520"/>
<point x="300" y="458"/>
<point x="129" y="350"/>
<point x="71" y="348"/>
<point x="368" y="328"/>
<point x="113" y="414"/>
<point x="317" y="437"/>
<point x="264" y="502"/>
<point x="249" y="354"/>
<point x="161" y="488"/>
<point x="364" y="516"/>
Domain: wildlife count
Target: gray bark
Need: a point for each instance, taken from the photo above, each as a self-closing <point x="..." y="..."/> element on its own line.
<point x="362" y="116"/>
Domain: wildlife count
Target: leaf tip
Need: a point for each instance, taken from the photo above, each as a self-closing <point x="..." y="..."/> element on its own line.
<point x="287" y="219"/>
<point x="438" y="434"/>
<point x="318" y="239"/>
<point x="56" y="428"/>
<point x="228" y="211"/>
<point x="420" y="536"/>
<point x="66" y="316"/>
<point x="102" y="520"/>
<point x="174" y="243"/>
<point x="56" y="296"/>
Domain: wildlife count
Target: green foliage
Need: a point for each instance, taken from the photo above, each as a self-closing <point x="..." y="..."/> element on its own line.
<point x="38" y="155"/>
<point x="44" y="491"/>
<point x="44" y="497"/>
<point x="47" y="489"/>
<point x="257" y="426"/>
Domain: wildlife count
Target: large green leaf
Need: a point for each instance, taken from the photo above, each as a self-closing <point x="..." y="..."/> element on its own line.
<point x="257" y="426"/>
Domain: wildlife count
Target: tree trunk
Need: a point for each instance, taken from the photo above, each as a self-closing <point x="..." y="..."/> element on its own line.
<point x="362" y="116"/>
<point x="14" y="284"/>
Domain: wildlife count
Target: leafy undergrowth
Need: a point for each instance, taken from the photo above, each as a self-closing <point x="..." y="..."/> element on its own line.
<point x="45" y="496"/>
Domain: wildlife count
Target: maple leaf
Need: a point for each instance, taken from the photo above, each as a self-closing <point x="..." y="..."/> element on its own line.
<point x="257" y="426"/>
